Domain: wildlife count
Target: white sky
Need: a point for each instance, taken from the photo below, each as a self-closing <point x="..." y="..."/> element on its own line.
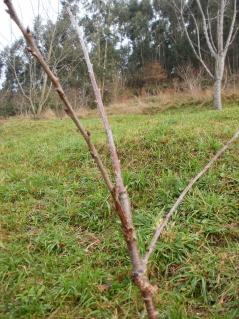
<point x="27" y="10"/>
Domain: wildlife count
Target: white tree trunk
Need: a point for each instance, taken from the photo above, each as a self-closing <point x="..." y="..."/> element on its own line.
<point x="219" y="71"/>
<point x="217" y="95"/>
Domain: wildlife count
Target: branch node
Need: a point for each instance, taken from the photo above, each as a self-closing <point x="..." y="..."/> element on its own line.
<point x="61" y="93"/>
<point x="129" y="234"/>
<point x="66" y="110"/>
<point x="92" y="154"/>
<point x="140" y="281"/>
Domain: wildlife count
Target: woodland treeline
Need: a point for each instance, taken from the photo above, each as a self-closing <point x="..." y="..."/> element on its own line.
<point x="135" y="46"/>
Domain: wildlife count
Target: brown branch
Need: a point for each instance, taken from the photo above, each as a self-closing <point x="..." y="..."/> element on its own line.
<point x="179" y="200"/>
<point x="55" y="81"/>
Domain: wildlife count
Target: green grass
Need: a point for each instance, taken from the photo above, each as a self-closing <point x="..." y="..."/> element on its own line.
<point x="62" y="253"/>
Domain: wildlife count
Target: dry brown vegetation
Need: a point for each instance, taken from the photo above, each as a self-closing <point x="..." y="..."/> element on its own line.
<point x="171" y="98"/>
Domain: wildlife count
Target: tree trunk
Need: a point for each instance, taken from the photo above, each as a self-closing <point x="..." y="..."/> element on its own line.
<point x="217" y="95"/>
<point x="219" y="70"/>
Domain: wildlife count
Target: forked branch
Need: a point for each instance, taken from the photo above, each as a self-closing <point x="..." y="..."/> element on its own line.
<point x="119" y="194"/>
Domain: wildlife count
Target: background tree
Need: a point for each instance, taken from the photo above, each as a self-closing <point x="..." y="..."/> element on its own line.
<point x="22" y="73"/>
<point x="101" y="31"/>
<point x="210" y="21"/>
<point x="127" y="40"/>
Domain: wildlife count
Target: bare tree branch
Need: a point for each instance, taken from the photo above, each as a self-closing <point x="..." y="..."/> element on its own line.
<point x="112" y="148"/>
<point x="205" y="28"/>
<point x="230" y="37"/>
<point x="210" y="30"/>
<point x="197" y="54"/>
<point x="179" y="200"/>
<point x="69" y="109"/>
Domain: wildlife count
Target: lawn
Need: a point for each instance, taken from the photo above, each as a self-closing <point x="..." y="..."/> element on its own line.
<point x="62" y="253"/>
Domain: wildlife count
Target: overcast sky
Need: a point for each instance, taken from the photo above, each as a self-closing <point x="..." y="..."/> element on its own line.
<point x="27" y="10"/>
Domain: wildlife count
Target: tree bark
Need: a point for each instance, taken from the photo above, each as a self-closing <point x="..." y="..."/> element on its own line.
<point x="218" y="94"/>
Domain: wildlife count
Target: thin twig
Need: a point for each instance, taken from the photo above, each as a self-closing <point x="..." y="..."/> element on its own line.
<point x="172" y="210"/>
<point x="111" y="146"/>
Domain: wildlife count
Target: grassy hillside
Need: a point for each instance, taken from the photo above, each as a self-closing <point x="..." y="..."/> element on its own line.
<point x="61" y="248"/>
